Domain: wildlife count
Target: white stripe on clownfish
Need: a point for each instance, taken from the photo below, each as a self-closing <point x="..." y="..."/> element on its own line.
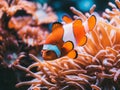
<point x="68" y="33"/>
<point x="85" y="24"/>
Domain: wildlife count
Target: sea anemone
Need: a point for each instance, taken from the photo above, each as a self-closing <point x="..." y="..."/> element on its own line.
<point x="97" y="66"/>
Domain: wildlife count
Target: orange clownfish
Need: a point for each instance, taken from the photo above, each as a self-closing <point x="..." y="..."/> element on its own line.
<point x="65" y="37"/>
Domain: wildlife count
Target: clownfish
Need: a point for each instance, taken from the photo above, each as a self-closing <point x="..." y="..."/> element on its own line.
<point x="65" y="37"/>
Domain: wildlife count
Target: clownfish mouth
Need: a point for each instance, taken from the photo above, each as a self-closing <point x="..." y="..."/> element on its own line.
<point x="48" y="55"/>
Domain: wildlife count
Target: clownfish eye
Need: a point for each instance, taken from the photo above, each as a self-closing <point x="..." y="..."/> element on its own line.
<point x="48" y="52"/>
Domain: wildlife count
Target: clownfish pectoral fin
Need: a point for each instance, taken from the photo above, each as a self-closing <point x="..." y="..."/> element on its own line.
<point x="91" y="22"/>
<point x="68" y="46"/>
<point x="72" y="54"/>
<point x="67" y="19"/>
<point x="82" y="41"/>
<point x="56" y="25"/>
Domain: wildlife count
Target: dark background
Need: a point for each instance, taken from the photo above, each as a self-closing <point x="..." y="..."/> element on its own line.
<point x="61" y="7"/>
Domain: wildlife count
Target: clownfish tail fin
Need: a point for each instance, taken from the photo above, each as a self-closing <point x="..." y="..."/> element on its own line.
<point x="92" y="22"/>
<point x="82" y="41"/>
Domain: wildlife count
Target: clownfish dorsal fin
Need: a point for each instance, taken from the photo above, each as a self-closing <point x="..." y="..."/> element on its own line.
<point x="72" y="54"/>
<point x="77" y="22"/>
<point x="67" y="19"/>
<point x="56" y="25"/>
<point x="91" y="22"/>
<point x="82" y="41"/>
<point x="68" y="46"/>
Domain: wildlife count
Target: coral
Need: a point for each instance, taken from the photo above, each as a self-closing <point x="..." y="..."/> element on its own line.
<point x="44" y="14"/>
<point x="33" y="35"/>
<point x="26" y="20"/>
<point x="20" y="14"/>
<point x="7" y="42"/>
<point x="97" y="66"/>
<point x="21" y="32"/>
<point x="21" y="25"/>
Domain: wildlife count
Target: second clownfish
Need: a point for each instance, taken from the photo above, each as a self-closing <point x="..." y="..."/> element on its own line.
<point x="65" y="37"/>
